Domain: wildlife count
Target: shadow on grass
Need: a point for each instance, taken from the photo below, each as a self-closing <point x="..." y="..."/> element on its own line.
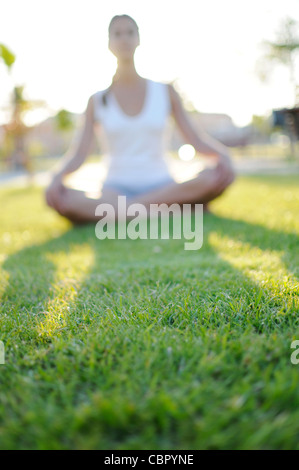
<point x="125" y="271"/>
<point x="263" y="238"/>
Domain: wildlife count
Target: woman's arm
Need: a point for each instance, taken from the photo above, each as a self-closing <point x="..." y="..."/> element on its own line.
<point x="72" y="160"/>
<point x="199" y="139"/>
<point x="77" y="153"/>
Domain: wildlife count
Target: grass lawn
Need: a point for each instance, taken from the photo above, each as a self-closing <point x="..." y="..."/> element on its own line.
<point x="139" y="344"/>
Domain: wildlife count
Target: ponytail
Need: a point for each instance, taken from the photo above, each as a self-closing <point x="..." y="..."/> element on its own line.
<point x="106" y="93"/>
<point x="104" y="96"/>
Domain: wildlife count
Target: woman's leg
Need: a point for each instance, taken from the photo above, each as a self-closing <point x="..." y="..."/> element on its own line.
<point x="79" y="208"/>
<point x="205" y="187"/>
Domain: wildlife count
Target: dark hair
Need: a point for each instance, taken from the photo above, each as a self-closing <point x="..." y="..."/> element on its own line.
<point x="104" y="96"/>
<point x="121" y="16"/>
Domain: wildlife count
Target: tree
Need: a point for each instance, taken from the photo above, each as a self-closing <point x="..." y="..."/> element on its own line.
<point x="16" y="129"/>
<point x="64" y="121"/>
<point x="7" y="56"/>
<point x="261" y="124"/>
<point x="284" y="51"/>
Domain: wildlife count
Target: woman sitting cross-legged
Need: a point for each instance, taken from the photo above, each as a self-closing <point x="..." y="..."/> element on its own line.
<point x="133" y="114"/>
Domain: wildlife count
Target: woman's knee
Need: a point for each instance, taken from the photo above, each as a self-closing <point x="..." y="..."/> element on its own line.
<point x="218" y="182"/>
<point x="224" y="178"/>
<point x="62" y="205"/>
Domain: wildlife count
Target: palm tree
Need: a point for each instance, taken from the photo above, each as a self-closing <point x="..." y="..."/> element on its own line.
<point x="16" y="129"/>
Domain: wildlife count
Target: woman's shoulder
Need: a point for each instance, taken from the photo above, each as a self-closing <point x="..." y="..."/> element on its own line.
<point x="164" y="85"/>
<point x="98" y="97"/>
<point x="160" y="83"/>
<point x="167" y="85"/>
<point x="97" y="94"/>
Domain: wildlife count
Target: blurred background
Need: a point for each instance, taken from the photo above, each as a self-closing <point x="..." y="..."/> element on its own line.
<point x="235" y="65"/>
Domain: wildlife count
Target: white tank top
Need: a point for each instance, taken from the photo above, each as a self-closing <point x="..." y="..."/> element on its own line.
<point x="135" y="145"/>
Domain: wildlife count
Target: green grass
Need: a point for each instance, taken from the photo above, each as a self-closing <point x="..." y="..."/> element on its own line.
<point x="139" y="344"/>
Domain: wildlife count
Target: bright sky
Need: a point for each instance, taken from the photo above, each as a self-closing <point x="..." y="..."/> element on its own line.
<point x="210" y="47"/>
